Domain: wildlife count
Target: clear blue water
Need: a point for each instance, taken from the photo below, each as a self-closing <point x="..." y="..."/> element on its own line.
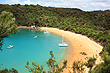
<point x="27" y="48"/>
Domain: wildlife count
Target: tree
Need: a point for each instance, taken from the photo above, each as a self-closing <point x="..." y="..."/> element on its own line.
<point x="90" y="63"/>
<point x="36" y="68"/>
<point x="78" y="67"/>
<point x="12" y="70"/>
<point x="104" y="67"/>
<point x="51" y="63"/>
<point x="7" y="26"/>
<point x="64" y="63"/>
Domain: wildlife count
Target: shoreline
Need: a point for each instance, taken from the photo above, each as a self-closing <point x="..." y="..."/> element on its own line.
<point x="81" y="44"/>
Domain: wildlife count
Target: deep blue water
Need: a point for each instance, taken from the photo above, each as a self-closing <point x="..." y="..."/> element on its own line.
<point x="27" y="48"/>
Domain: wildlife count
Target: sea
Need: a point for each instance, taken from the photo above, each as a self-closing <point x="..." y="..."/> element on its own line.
<point x="27" y="48"/>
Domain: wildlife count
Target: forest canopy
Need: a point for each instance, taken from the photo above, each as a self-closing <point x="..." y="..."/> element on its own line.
<point x="95" y="24"/>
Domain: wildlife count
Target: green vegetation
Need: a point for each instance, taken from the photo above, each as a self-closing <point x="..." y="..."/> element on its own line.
<point x="51" y="63"/>
<point x="7" y="26"/>
<point x="104" y="67"/>
<point x="36" y="68"/>
<point x="78" y="67"/>
<point x="90" y="63"/>
<point x="95" y="25"/>
<point x="12" y="70"/>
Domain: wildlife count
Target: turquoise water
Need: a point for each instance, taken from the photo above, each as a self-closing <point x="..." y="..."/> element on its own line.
<point x="27" y="48"/>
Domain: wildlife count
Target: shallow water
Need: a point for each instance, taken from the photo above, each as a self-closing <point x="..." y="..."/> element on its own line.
<point x="27" y="48"/>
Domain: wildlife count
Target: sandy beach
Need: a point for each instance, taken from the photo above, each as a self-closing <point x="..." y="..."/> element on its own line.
<point x="79" y="44"/>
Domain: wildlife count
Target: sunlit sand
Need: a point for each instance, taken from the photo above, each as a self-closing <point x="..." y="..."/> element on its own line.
<point x="80" y="45"/>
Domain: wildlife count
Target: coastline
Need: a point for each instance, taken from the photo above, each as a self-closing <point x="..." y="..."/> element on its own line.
<point x="79" y="44"/>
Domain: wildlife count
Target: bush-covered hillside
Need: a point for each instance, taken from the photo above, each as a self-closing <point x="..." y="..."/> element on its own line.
<point x="95" y="25"/>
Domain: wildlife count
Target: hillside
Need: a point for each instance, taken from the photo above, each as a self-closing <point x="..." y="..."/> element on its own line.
<point x="40" y="16"/>
<point x="102" y="12"/>
<point x="95" y="24"/>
